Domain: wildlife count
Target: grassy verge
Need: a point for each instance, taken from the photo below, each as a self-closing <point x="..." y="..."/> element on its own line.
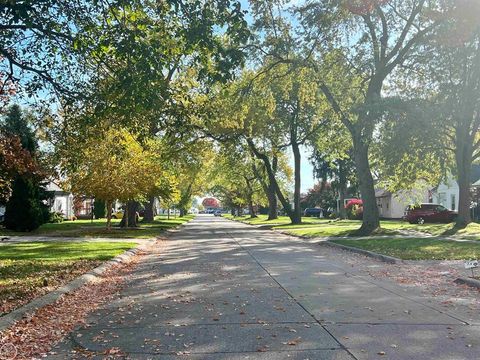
<point x="417" y="248"/>
<point x="31" y="269"/>
<point x="97" y="228"/>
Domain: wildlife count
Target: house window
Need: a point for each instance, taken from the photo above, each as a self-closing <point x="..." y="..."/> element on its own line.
<point x="453" y="202"/>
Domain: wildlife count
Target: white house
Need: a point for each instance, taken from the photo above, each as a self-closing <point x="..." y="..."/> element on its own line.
<point x="62" y="201"/>
<point x="392" y="205"/>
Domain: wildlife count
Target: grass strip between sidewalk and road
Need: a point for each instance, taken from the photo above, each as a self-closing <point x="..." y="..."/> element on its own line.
<point x="97" y="228"/>
<point x="31" y="269"/>
<point x="416" y="248"/>
<point x="314" y="227"/>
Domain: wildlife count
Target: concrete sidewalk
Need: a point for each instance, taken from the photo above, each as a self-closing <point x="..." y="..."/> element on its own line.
<point x="225" y="290"/>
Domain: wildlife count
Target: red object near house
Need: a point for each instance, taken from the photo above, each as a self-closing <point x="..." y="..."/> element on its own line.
<point x="351" y="203"/>
<point x="210" y="203"/>
<point x="428" y="213"/>
<point x="354" y="209"/>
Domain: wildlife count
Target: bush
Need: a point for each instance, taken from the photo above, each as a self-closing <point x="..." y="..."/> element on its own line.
<point x="55" y="217"/>
<point x="25" y="210"/>
<point x="354" y="209"/>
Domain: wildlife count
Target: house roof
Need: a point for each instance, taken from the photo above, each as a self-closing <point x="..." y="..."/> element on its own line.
<point x="51" y="186"/>
<point x="382" y="193"/>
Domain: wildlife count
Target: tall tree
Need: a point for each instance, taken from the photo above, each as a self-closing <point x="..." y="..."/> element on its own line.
<point x="454" y="68"/>
<point x="25" y="209"/>
<point x="386" y="35"/>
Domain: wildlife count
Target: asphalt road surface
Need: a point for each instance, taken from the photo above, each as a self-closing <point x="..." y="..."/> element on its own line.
<point x="225" y="290"/>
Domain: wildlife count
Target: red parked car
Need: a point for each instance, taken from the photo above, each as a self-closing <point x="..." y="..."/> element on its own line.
<point x="420" y="214"/>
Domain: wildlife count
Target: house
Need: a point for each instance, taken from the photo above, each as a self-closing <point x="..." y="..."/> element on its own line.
<point x="392" y="205"/>
<point x="61" y="201"/>
<point x="447" y="193"/>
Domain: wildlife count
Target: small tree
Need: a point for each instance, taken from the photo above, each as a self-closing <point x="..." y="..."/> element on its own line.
<point x="112" y="166"/>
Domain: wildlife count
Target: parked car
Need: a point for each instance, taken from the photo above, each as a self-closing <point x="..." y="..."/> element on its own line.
<point x="420" y="214"/>
<point x="217" y="213"/>
<point x="313" y="212"/>
<point x="119" y="214"/>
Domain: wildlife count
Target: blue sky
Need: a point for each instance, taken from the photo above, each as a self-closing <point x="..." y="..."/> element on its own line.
<point x="307" y="170"/>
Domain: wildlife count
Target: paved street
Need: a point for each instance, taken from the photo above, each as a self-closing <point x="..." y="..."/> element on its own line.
<point x="224" y="290"/>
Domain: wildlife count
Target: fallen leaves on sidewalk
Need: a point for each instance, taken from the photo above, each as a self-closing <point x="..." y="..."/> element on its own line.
<point x="36" y="334"/>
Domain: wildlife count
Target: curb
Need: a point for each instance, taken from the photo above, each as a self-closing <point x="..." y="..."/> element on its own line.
<point x="381" y="257"/>
<point x="468" y="281"/>
<point x="49" y="298"/>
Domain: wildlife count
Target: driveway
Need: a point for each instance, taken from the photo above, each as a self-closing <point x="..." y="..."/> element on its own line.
<point x="225" y="290"/>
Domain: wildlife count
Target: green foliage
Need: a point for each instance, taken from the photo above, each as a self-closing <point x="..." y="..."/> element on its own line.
<point x="55" y="218"/>
<point x="112" y="165"/>
<point x="16" y="123"/>
<point x="99" y="210"/>
<point x="321" y="195"/>
<point x="25" y="210"/>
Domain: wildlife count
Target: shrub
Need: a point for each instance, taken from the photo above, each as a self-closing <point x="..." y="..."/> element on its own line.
<point x="354" y="209"/>
<point x="55" y="217"/>
<point x="25" y="210"/>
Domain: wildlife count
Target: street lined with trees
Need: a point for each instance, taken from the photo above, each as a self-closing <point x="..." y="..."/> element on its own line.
<point x="139" y="100"/>
<point x="120" y="120"/>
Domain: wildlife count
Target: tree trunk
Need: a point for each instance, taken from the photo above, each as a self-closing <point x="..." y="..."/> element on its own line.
<point x="108" y="205"/>
<point x="149" y="214"/>
<point x="371" y="219"/>
<point x="343" y="189"/>
<point x="251" y="209"/>
<point x="130" y="216"/>
<point x="272" y="180"/>
<point x="269" y="191"/>
<point x="183" y="212"/>
<point x="297" y="215"/>
<point x="272" y="203"/>
<point x="463" y="157"/>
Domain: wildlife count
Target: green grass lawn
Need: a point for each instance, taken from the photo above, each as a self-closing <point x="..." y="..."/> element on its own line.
<point x="97" y="228"/>
<point x="314" y="227"/>
<point x="417" y="248"/>
<point x="31" y="269"/>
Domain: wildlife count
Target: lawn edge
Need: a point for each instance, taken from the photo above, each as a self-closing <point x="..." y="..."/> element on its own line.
<point x="12" y="317"/>
<point x="381" y="257"/>
<point x="468" y="281"/>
